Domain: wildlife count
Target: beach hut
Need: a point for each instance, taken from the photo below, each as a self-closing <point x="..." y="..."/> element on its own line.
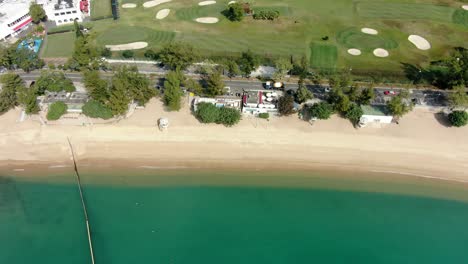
<point x="163" y="123"/>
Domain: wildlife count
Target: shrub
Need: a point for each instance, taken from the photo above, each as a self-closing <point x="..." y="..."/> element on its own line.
<point x="106" y="52"/>
<point x="96" y="109"/>
<point x="127" y="54"/>
<point x="458" y="118"/>
<point x="264" y="115"/>
<point x="56" y="110"/>
<point x="267" y="15"/>
<point x="207" y="113"/>
<point x="51" y="66"/>
<point x="228" y="116"/>
<point x="286" y="105"/>
<point x="322" y="110"/>
<point x="354" y="113"/>
<point x="234" y="12"/>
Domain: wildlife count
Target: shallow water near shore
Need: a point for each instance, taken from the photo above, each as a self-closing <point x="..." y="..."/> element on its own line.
<point x="234" y="217"/>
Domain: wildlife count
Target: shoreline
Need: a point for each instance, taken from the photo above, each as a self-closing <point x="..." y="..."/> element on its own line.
<point x="418" y="147"/>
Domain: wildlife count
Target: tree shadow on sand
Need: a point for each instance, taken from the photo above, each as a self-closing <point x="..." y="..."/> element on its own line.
<point x="442" y="118"/>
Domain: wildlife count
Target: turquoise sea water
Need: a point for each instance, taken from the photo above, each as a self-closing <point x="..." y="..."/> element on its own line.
<point x="42" y="222"/>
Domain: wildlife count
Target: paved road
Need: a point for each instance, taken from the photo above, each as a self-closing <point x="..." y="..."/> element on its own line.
<point x="421" y="97"/>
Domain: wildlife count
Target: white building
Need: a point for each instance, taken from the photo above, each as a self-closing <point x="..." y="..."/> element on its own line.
<point x="62" y="11"/>
<point x="257" y="102"/>
<point x="374" y="115"/>
<point x="221" y="101"/>
<point x="14" y="17"/>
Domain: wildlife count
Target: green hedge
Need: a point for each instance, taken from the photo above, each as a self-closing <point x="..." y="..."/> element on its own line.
<point x="96" y="109"/>
<point x="68" y="28"/>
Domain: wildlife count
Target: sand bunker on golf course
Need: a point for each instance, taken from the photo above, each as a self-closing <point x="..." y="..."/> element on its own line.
<point x="420" y="42"/>
<point x="232" y="2"/>
<point x="163" y="13"/>
<point x="380" y="53"/>
<point x="154" y="3"/>
<point x="354" y="52"/>
<point x="128" y="5"/>
<point x="369" y="31"/>
<point x="207" y="20"/>
<point x="465" y="7"/>
<point x="204" y="3"/>
<point x="128" y="46"/>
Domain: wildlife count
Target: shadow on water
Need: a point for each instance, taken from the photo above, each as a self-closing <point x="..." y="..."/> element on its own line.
<point x="442" y="119"/>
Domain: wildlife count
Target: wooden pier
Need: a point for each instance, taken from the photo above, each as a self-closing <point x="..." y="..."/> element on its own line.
<point x="78" y="180"/>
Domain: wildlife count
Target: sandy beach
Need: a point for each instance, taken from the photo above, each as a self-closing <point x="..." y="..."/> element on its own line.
<point x="419" y="146"/>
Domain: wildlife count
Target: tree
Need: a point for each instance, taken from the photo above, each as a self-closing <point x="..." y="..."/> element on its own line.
<point x="127" y="54"/>
<point x="397" y="105"/>
<point x="283" y="66"/>
<point x="228" y="116"/>
<point x="96" y="109"/>
<point x="8" y="94"/>
<point x="118" y="99"/>
<point x="322" y="110"/>
<point x="193" y="86"/>
<point x="6" y="56"/>
<point x="106" y="52"/>
<point x="178" y="55"/>
<point x="286" y="105"/>
<point x="353" y="93"/>
<point x="301" y="68"/>
<point x="366" y="96"/>
<point x="137" y="84"/>
<point x="85" y="54"/>
<point x="232" y="68"/>
<point x="37" y="13"/>
<point x="53" y="82"/>
<point x="303" y="94"/>
<point x="458" y="118"/>
<point x="234" y="12"/>
<point x="172" y="91"/>
<point x="207" y="113"/>
<point x="458" y="98"/>
<point x="56" y="110"/>
<point x="27" y="60"/>
<point x="78" y="32"/>
<point x="27" y="98"/>
<point x="96" y="87"/>
<point x="354" y="113"/>
<point x="339" y="100"/>
<point x="214" y="84"/>
<point x="248" y="63"/>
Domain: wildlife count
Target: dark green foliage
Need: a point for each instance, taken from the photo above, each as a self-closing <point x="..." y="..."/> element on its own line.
<point x="460" y="17"/>
<point x="56" y="110"/>
<point x="234" y="12"/>
<point x="11" y="83"/>
<point x="127" y="54"/>
<point x="232" y="68"/>
<point x="248" y="63"/>
<point x="458" y="98"/>
<point x="286" y="105"/>
<point x="458" y="118"/>
<point x="193" y="86"/>
<point x="106" y="52"/>
<point x="172" y="91"/>
<point x="97" y="88"/>
<point x="228" y="116"/>
<point x="150" y="54"/>
<point x="6" y="56"/>
<point x="398" y="105"/>
<point x="303" y="94"/>
<point x="178" y="55"/>
<point x="266" y="15"/>
<point x="339" y="100"/>
<point x="53" y="82"/>
<point x="207" y="113"/>
<point x="27" y="60"/>
<point x="354" y="113"/>
<point x="96" y="109"/>
<point x="137" y="84"/>
<point x="27" y="98"/>
<point x="214" y="84"/>
<point x="85" y="54"/>
<point x="118" y="99"/>
<point x="322" y="110"/>
<point x="366" y="96"/>
<point x="37" y="13"/>
<point x="264" y="115"/>
<point x="78" y="32"/>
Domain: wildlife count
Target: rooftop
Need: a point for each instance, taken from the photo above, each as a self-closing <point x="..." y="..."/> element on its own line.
<point x="376" y="110"/>
<point x="10" y="9"/>
<point x="75" y="98"/>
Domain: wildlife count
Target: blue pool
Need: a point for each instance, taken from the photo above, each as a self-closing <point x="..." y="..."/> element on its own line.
<point x="32" y="44"/>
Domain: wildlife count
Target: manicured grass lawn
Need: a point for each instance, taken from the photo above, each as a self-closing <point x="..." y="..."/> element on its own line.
<point x="100" y="8"/>
<point x="59" y="45"/>
<point x="301" y="23"/>
<point x="323" y="56"/>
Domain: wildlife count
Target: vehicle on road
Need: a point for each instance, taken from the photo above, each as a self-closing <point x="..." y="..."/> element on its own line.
<point x="271" y="85"/>
<point x="327" y="89"/>
<point x="388" y="92"/>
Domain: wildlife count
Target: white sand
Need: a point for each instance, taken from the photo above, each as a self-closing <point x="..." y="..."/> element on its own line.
<point x="232" y="2"/>
<point x="128" y="46"/>
<point x="381" y="53"/>
<point x="154" y="3"/>
<point x="205" y="3"/>
<point x="412" y="147"/>
<point x="420" y="42"/>
<point x="465" y="7"/>
<point x="207" y="20"/>
<point x="369" y="31"/>
<point x="163" y="13"/>
<point x="129" y="5"/>
<point x="354" y="52"/>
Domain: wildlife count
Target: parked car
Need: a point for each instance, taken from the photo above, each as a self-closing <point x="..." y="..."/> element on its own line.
<point x="388" y="92"/>
<point x="278" y="85"/>
<point x="327" y="89"/>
